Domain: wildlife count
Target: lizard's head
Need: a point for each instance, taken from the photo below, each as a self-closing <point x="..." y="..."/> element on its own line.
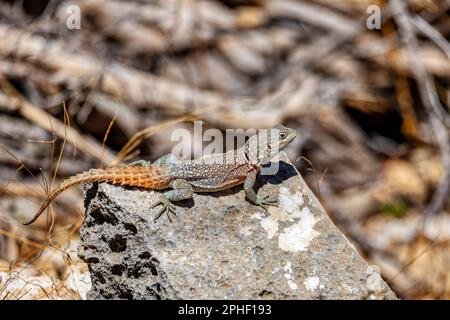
<point x="285" y="135"/>
<point x="268" y="143"/>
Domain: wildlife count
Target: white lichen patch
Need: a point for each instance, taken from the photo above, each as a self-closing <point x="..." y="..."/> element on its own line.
<point x="288" y="269"/>
<point x="292" y="208"/>
<point x="245" y="231"/>
<point x="257" y="216"/>
<point x="270" y="224"/>
<point x="311" y="283"/>
<point x="278" y="214"/>
<point x="302" y="213"/>
<point x="374" y="281"/>
<point x="292" y="285"/>
<point x="298" y="236"/>
<point x="290" y="202"/>
<point x="290" y="276"/>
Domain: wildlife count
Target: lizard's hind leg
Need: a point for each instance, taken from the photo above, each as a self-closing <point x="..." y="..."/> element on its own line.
<point x="182" y="190"/>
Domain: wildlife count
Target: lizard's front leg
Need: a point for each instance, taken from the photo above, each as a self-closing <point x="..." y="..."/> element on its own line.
<point x="251" y="194"/>
<point x="181" y="190"/>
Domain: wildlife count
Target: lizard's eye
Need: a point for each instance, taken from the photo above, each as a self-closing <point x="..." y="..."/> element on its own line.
<point x="282" y="135"/>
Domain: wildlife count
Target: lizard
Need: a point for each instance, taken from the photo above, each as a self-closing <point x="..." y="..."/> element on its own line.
<point x="211" y="173"/>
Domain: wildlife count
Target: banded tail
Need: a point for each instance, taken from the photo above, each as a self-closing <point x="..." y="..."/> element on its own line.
<point x="151" y="177"/>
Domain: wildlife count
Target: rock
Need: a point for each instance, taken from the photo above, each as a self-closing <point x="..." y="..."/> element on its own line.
<point x="220" y="246"/>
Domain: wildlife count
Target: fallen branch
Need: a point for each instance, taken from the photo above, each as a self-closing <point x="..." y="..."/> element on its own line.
<point x="44" y="120"/>
<point x="430" y="100"/>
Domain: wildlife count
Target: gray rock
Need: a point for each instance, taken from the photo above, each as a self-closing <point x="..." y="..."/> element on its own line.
<point x="222" y="247"/>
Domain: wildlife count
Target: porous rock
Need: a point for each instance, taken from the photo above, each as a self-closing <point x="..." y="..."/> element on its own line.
<point x="220" y="246"/>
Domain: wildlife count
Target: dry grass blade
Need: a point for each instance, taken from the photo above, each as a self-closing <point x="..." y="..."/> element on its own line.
<point x="438" y="118"/>
<point x="51" y="124"/>
<point x="66" y="126"/>
<point x="138" y="137"/>
<point x="23" y="240"/>
<point x="105" y="137"/>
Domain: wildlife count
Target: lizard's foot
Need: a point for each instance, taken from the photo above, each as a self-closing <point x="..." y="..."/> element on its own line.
<point x="266" y="201"/>
<point x="167" y="208"/>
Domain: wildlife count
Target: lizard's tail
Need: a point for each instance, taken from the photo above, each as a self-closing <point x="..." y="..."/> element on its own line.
<point x="151" y="177"/>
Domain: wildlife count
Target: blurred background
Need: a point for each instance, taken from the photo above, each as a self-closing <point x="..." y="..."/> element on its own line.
<point x="87" y="83"/>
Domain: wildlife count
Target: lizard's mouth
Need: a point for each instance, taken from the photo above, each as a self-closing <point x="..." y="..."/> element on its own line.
<point x="294" y="135"/>
<point x="291" y="137"/>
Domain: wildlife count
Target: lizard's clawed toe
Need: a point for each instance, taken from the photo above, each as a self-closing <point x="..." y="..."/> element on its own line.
<point x="266" y="202"/>
<point x="167" y="208"/>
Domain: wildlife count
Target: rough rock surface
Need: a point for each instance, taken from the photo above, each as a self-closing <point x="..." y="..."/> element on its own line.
<point x="222" y="247"/>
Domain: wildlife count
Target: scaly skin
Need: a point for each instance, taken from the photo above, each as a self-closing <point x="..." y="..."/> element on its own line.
<point x="211" y="173"/>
